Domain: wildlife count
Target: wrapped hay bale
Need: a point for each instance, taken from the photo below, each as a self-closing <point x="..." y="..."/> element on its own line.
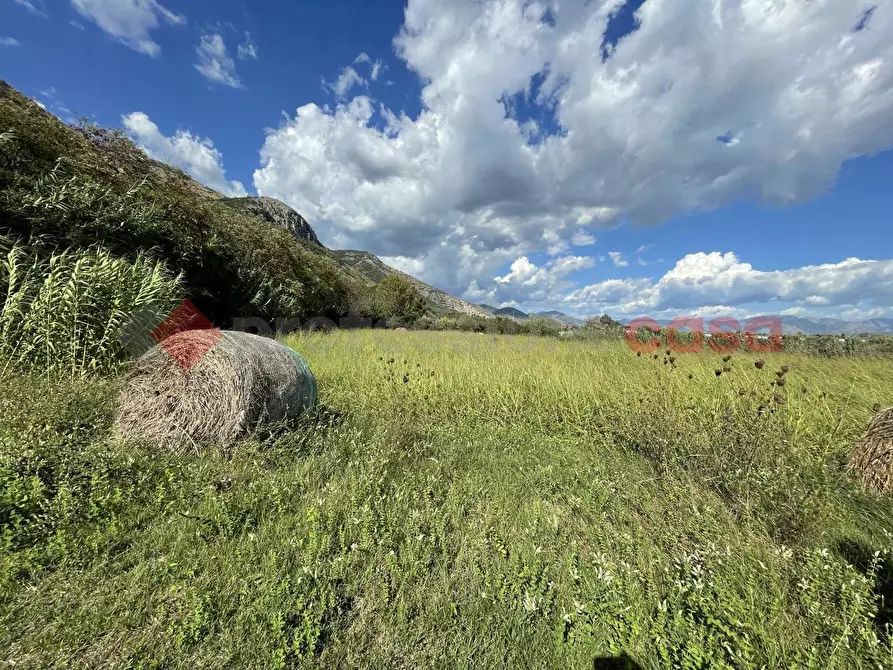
<point x="872" y="459"/>
<point x="207" y="386"/>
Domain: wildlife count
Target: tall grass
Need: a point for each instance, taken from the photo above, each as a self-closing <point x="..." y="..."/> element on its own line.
<point x="66" y="312"/>
<point x="461" y="500"/>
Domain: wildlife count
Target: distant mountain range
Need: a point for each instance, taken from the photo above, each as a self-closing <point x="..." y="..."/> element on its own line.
<point x="796" y="325"/>
<point x="518" y="315"/>
<point x="791" y="325"/>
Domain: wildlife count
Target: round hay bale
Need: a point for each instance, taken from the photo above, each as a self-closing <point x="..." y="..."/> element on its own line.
<point x="205" y="387"/>
<point x="872" y="459"/>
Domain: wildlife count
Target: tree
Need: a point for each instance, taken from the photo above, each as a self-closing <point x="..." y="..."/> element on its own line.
<point x="396" y="297"/>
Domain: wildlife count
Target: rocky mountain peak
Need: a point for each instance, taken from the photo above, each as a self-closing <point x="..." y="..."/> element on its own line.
<point x="279" y="214"/>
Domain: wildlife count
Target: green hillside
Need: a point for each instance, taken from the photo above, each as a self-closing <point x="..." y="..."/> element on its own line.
<point x="81" y="186"/>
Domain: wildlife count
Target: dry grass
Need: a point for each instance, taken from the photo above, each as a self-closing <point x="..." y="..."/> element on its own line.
<point x="205" y="387"/>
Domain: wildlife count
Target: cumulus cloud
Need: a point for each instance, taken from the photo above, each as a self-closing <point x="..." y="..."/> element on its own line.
<point x="9" y="42"/>
<point x="215" y="62"/>
<point x="617" y="259"/>
<point x="704" y="104"/>
<point x="195" y="155"/>
<point x="129" y="21"/>
<point x="36" y="7"/>
<point x="247" y="49"/>
<point x="722" y="279"/>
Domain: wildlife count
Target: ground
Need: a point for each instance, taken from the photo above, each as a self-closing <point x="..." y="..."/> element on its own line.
<point x="460" y="500"/>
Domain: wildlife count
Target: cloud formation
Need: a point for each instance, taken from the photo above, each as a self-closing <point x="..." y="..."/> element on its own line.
<point x="36" y="7"/>
<point x="129" y="21"/>
<point x="247" y="49"/>
<point x="528" y="140"/>
<point x="195" y="155"/>
<point x="215" y="62"/>
<point x="9" y="42"/>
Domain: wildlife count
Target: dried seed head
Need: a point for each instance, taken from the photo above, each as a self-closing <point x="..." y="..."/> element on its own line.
<point x="726" y="359"/>
<point x="785" y="368"/>
<point x="669" y="352"/>
<point x="691" y="376"/>
<point x="779" y="400"/>
<point x="780" y="381"/>
<point x="639" y="354"/>
<point x="727" y="369"/>
<point x="759" y="364"/>
<point x="718" y="372"/>
<point x="876" y="407"/>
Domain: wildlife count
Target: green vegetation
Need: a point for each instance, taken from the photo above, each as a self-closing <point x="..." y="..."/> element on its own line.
<point x="397" y="299"/>
<point x="68" y="313"/>
<point x="460" y="500"/>
<point x="77" y="187"/>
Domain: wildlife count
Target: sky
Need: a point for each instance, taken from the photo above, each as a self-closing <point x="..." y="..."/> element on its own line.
<point x="655" y="158"/>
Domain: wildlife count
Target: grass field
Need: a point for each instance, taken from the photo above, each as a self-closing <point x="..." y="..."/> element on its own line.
<point x="461" y="500"/>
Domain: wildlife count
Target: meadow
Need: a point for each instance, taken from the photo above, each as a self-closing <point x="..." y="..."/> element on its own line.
<point x="460" y="500"/>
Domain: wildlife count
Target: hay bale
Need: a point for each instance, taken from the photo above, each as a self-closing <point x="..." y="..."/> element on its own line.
<point x="872" y="459"/>
<point x="204" y="386"/>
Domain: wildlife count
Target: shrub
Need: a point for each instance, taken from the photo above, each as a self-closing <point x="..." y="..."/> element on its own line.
<point x="67" y="312"/>
<point x="396" y="296"/>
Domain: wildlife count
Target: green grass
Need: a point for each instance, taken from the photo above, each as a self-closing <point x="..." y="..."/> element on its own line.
<point x="460" y="500"/>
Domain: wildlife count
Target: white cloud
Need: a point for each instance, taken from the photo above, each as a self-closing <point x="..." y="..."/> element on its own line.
<point x="196" y="155"/>
<point x="129" y="21"/>
<point x="465" y="186"/>
<point x="248" y="49"/>
<point x="722" y="279"/>
<point x="215" y="63"/>
<point x="617" y="259"/>
<point x="9" y="42"/>
<point x="346" y="81"/>
<point x="75" y="24"/>
<point x="36" y="7"/>
<point x="376" y="67"/>
<point x="527" y="283"/>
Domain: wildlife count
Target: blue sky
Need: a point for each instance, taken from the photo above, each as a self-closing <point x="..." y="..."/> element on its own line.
<point x="639" y="157"/>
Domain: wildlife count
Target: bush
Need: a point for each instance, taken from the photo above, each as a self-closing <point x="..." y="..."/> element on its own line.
<point x="397" y="298"/>
<point x="67" y="312"/>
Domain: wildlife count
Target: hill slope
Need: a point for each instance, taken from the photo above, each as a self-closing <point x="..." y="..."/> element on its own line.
<point x="83" y="186"/>
<point x="374" y="270"/>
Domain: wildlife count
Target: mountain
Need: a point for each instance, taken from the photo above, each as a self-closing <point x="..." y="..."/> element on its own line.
<point x="508" y="312"/>
<point x="832" y="326"/>
<point x="562" y="318"/>
<point x="798" y="325"/>
<point x="278" y="213"/>
<point x="237" y="256"/>
<point x="374" y="270"/>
